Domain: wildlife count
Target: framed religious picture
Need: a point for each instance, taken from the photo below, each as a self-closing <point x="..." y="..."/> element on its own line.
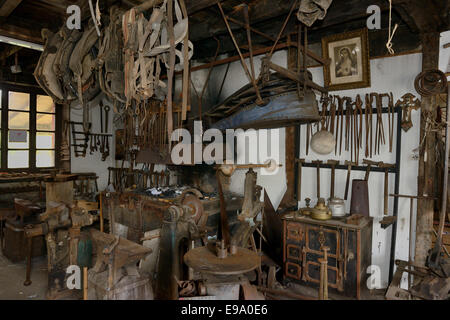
<point x="349" y="55"/>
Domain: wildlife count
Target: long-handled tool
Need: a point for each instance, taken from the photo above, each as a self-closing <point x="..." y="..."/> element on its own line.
<point x="369" y="164"/>
<point x="340" y="115"/>
<point x="318" y="163"/>
<point x="358" y="126"/>
<point x="333" y="164"/>
<point x="386" y="168"/>
<point x="349" y="165"/>
<point x="390" y="117"/>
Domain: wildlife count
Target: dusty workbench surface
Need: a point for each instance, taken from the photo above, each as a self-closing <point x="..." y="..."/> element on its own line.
<point x="359" y="221"/>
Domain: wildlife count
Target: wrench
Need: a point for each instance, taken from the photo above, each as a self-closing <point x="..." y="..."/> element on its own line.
<point x="107" y="108"/>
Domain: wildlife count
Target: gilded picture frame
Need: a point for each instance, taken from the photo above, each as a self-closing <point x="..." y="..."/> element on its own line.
<point x="349" y="66"/>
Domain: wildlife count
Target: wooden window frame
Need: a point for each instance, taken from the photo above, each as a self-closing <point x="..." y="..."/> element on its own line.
<point x="33" y="92"/>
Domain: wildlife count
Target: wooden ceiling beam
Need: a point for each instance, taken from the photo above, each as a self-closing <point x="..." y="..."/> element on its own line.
<point x="21" y="33"/>
<point x="8" y="6"/>
<point x="424" y="16"/>
<point x="340" y="12"/>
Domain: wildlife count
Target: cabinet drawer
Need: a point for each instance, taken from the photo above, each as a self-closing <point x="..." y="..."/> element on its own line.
<point x="293" y="270"/>
<point x="293" y="252"/>
<point x="294" y="231"/>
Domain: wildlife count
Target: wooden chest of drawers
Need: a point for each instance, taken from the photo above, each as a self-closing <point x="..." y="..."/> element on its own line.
<point x="348" y="259"/>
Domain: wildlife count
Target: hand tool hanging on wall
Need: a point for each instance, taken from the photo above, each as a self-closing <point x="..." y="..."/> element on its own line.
<point x="390" y="114"/>
<point x="325" y="123"/>
<point x="107" y="109"/>
<point x="349" y="165"/>
<point x="369" y="164"/>
<point x="358" y="126"/>
<point x="348" y="121"/>
<point x="386" y="168"/>
<point x="80" y="139"/>
<point x="100" y="106"/>
<point x="350" y="131"/>
<point x="318" y="163"/>
<point x="340" y="123"/>
<point x="333" y="164"/>
<point x="369" y="126"/>
<point x="323" y="141"/>
<point x="379" y="130"/>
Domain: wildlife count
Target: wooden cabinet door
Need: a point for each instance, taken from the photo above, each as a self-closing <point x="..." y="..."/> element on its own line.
<point x="315" y="238"/>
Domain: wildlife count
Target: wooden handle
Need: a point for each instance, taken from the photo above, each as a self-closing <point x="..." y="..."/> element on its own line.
<point x="85" y="283"/>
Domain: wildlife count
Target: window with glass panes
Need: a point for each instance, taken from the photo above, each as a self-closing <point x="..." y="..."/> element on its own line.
<point x="28" y="131"/>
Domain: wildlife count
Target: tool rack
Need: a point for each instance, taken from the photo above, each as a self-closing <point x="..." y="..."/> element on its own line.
<point x="395" y="170"/>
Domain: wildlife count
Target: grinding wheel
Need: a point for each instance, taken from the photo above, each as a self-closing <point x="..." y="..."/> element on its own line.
<point x="205" y="260"/>
<point x="194" y="202"/>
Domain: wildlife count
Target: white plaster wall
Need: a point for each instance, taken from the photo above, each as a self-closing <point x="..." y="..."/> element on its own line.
<point x="394" y="74"/>
<point x="444" y="59"/>
<point x="275" y="184"/>
<point x="94" y="163"/>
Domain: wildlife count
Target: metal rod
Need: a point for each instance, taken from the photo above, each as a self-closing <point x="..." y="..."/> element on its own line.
<point x="345" y="167"/>
<point x="282" y="29"/>
<point x="244" y="65"/>
<point x="398" y="150"/>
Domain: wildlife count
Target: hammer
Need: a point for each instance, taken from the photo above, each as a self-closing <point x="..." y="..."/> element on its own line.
<point x="370" y="164"/>
<point x="333" y="164"/>
<point x="349" y="165"/>
<point x="386" y="167"/>
<point x="318" y="163"/>
<point x="299" y="178"/>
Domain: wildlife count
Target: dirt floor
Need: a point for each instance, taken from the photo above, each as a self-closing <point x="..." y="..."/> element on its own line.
<point x="12" y="276"/>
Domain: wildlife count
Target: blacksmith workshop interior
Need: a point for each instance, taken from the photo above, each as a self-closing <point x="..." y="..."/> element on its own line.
<point x="224" y="150"/>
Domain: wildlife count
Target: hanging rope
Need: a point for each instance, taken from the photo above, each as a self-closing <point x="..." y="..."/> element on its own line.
<point x="431" y="82"/>
<point x="95" y="16"/>
<point x="391" y="35"/>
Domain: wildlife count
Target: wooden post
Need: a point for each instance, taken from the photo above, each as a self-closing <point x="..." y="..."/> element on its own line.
<point x="290" y="141"/>
<point x="101" y="212"/>
<point x="427" y="171"/>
